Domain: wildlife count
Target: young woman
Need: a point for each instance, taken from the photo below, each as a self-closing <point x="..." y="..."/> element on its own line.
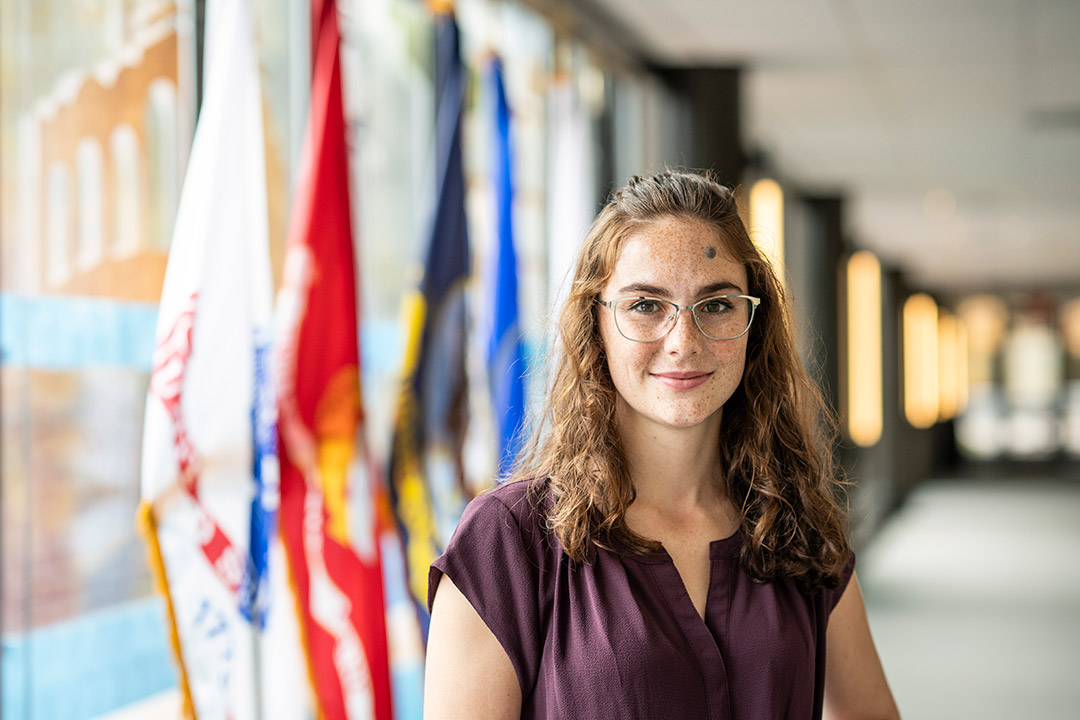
<point x="673" y="545"/>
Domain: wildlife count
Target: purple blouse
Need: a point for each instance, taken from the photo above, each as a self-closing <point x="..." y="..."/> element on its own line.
<point x="619" y="637"/>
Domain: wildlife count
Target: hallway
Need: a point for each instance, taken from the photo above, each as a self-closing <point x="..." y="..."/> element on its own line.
<point x="973" y="593"/>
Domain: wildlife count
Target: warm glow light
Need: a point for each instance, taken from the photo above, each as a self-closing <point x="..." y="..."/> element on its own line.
<point x="984" y="318"/>
<point x="921" y="360"/>
<point x="1070" y="326"/>
<point x="767" y="220"/>
<point x="948" y="382"/>
<point x="962" y="378"/>
<point x="864" y="395"/>
<point x="981" y="322"/>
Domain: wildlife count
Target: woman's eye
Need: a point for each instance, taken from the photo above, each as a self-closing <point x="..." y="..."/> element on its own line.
<point x="715" y="306"/>
<point x="645" y="306"/>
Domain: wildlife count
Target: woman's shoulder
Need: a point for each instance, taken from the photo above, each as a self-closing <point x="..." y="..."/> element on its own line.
<point x="527" y="501"/>
<point x="503" y="530"/>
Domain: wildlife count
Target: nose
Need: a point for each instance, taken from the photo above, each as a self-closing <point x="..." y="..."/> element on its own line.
<point x="684" y="337"/>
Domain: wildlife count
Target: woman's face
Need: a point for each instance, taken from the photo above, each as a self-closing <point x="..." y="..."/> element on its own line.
<point x="683" y="379"/>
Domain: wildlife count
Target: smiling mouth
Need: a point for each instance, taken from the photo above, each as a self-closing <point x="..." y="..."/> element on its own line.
<point x="682" y="380"/>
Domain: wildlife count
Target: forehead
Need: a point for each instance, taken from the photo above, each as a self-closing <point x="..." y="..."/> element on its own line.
<point x="676" y="251"/>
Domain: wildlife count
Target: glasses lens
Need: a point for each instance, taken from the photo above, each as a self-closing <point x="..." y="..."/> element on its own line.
<point x="643" y="319"/>
<point x="724" y="317"/>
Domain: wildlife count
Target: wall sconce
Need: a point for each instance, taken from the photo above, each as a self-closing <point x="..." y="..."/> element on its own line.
<point x="921" y="360"/>
<point x="864" y="372"/>
<point x="767" y="221"/>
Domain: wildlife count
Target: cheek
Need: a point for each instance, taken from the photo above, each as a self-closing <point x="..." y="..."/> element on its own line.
<point x="620" y="352"/>
<point x="737" y="358"/>
<point x="609" y="347"/>
<point x="608" y="333"/>
<point x="732" y="365"/>
<point x="626" y="359"/>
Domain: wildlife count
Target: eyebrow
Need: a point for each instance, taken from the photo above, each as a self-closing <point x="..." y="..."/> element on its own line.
<point x="655" y="290"/>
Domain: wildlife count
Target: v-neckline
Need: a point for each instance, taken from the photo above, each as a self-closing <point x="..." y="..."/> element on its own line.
<point x="721" y="548"/>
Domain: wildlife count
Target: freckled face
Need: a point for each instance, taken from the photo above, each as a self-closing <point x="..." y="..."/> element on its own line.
<point x="683" y="379"/>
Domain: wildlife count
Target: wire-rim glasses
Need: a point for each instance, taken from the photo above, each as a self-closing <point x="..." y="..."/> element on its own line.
<point x="648" y="319"/>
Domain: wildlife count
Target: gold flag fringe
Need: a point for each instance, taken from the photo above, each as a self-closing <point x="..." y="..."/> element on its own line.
<point x="147" y="526"/>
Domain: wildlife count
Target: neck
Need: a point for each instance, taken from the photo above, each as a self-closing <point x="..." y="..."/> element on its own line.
<point x="673" y="469"/>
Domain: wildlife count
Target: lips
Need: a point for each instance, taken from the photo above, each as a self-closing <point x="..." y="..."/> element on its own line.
<point x="686" y="380"/>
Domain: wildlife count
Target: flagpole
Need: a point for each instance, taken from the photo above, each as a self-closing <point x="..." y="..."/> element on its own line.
<point x="256" y="668"/>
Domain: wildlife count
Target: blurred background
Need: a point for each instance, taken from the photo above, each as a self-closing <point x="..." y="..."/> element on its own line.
<point x="914" y="169"/>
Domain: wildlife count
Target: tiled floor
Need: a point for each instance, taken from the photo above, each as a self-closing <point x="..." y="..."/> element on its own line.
<point x="973" y="593"/>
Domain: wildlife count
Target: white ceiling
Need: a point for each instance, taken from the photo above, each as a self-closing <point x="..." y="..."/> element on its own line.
<point x="952" y="127"/>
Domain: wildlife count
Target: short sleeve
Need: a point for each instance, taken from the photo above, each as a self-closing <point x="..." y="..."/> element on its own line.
<point x="492" y="561"/>
<point x="833" y="595"/>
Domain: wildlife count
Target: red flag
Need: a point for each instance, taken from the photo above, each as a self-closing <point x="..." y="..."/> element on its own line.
<point x="327" y="516"/>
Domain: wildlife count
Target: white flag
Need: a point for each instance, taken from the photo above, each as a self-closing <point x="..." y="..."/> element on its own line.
<point x="571" y="191"/>
<point x="210" y="471"/>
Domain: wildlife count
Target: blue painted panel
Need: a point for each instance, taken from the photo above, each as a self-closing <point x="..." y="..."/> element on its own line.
<point x="91" y="665"/>
<point x="68" y="332"/>
<point x="72" y="332"/>
<point x="408" y="689"/>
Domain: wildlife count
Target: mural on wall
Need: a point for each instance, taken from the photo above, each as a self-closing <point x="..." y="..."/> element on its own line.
<point x="103" y="158"/>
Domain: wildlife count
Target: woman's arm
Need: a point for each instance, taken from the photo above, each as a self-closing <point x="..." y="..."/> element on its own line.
<point x="467" y="674"/>
<point x="855" y="685"/>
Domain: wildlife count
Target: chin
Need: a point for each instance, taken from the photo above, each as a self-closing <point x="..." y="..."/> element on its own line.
<point x="687" y="419"/>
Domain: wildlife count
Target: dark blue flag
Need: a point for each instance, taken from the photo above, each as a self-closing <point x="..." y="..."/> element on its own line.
<point x="426" y="469"/>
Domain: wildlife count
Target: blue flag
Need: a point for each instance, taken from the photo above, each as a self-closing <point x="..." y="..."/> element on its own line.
<point x="506" y="362"/>
<point x="265" y="473"/>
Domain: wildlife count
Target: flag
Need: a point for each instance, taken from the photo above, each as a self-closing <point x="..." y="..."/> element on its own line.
<point x="505" y="356"/>
<point x="209" y="464"/>
<point x="328" y="515"/>
<point x="426" y="471"/>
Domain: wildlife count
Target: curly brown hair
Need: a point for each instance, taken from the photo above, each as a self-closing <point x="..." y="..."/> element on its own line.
<point x="777" y="430"/>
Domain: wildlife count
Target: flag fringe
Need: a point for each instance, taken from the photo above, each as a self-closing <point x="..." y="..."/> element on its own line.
<point x="147" y="526"/>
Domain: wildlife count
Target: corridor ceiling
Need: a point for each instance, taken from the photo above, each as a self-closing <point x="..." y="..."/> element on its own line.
<point x="952" y="127"/>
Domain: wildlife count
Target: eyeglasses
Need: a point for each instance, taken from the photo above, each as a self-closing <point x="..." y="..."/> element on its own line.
<point x="647" y="319"/>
